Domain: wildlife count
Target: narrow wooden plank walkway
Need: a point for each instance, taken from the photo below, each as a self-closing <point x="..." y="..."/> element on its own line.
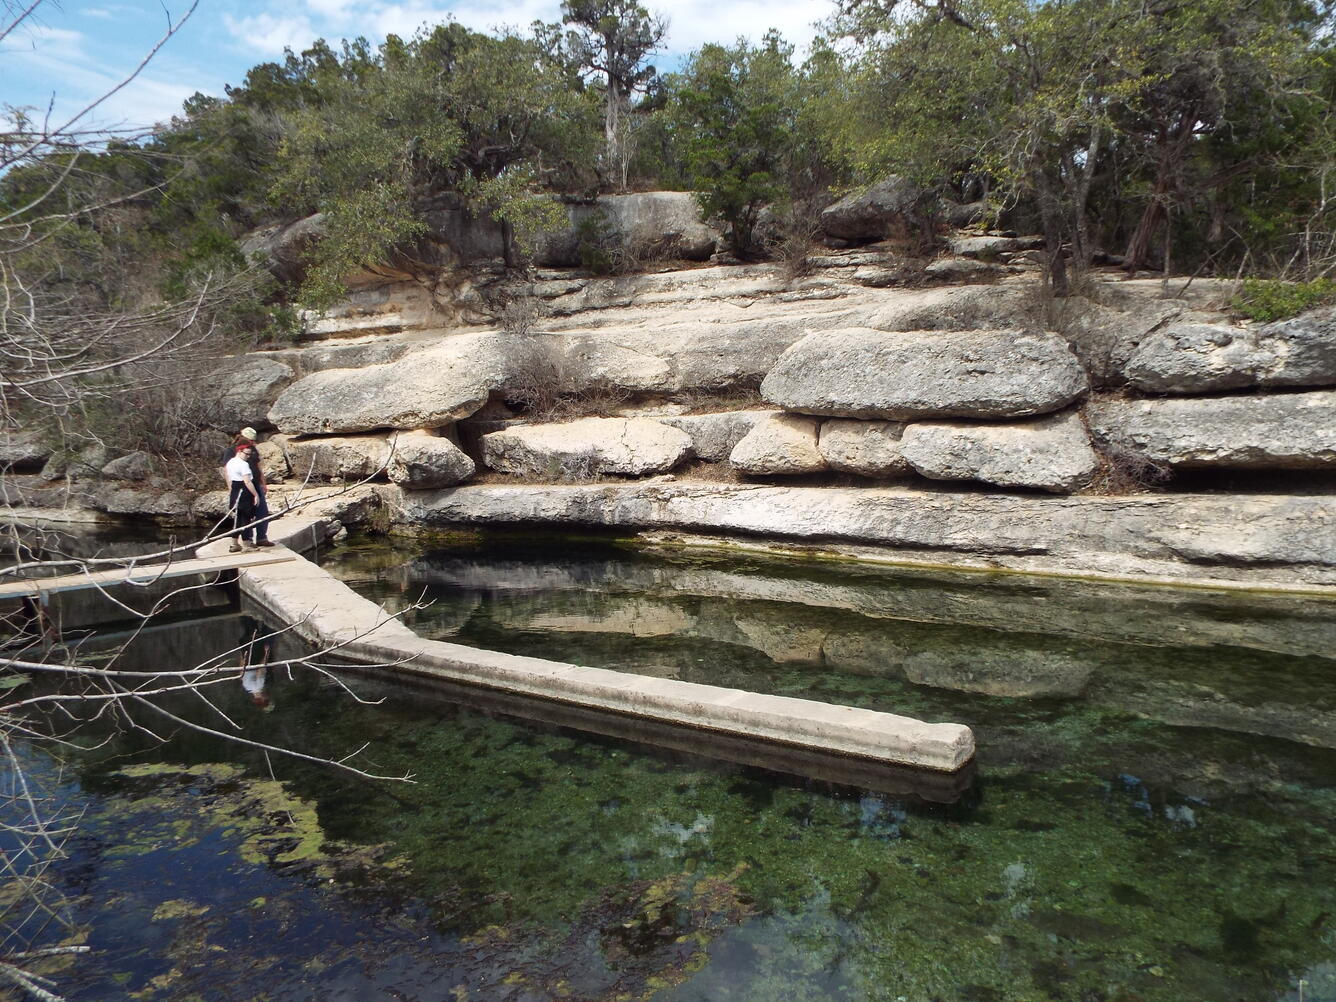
<point x="143" y="574"/>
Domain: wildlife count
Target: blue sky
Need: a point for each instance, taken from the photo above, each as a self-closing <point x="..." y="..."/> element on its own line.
<point x="71" y="51"/>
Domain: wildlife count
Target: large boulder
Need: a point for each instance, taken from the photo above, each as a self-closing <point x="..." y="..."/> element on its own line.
<point x="868" y="448"/>
<point x="1279" y="431"/>
<point x="22" y="451"/>
<point x="1052" y="453"/>
<point x="421" y="460"/>
<point x="651" y="224"/>
<point x="284" y="249"/>
<point x="780" y="444"/>
<point x="713" y="436"/>
<point x="338" y="457"/>
<point x="426" y="389"/>
<point x="875" y="212"/>
<point x="1202" y="358"/>
<point x="857" y="372"/>
<point x="136" y="465"/>
<point x="585" y="448"/>
<point x="241" y="389"/>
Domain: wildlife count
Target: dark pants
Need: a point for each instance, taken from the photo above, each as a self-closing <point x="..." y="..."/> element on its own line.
<point x="261" y="511"/>
<point x="242" y="505"/>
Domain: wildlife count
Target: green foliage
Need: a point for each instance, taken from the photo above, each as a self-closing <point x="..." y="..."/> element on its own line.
<point x="1270" y="299"/>
<point x="736" y="108"/>
<point x="592" y="236"/>
<point x="1157" y="106"/>
<point x="450" y="109"/>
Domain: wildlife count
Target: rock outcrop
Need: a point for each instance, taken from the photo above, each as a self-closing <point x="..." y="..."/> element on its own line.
<point x="868" y="448"/>
<point x="23" y="451"/>
<point x="240" y="390"/>
<point x="874" y="213"/>
<point x="1052" y="453"/>
<point x="585" y="448"/>
<point x="955" y="308"/>
<point x="857" y="372"/>
<point x="133" y="466"/>
<point x="1203" y="358"/>
<point x="1235" y="536"/>
<point x="989" y="247"/>
<point x="423" y="461"/>
<point x="425" y="389"/>
<point x="338" y="457"/>
<point x="1281" y="431"/>
<point x="781" y="444"/>
<point x="655" y="225"/>
<point x="713" y="436"/>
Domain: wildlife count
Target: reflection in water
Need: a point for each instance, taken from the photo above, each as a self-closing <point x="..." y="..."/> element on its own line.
<point x="1252" y="663"/>
<point x="1105" y="852"/>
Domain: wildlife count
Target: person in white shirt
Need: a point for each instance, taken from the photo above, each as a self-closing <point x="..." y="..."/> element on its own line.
<point x="242" y="499"/>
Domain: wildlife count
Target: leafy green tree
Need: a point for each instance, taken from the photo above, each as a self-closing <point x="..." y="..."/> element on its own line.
<point x="737" y="107"/>
<point x="1056" y="99"/>
<point x="614" y="39"/>
<point x="450" y="110"/>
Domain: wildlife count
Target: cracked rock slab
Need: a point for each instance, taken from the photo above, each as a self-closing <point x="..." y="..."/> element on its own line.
<point x="868" y="448"/>
<point x="1202" y="358"/>
<point x="1289" y="431"/>
<point x="782" y="444"/>
<point x="864" y="373"/>
<point x="1051" y="454"/>
<point x="421" y="460"/>
<point x="588" y="447"/>
<point x="425" y="389"/>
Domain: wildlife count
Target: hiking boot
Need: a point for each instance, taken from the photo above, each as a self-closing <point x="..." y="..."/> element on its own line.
<point x="263" y="542"/>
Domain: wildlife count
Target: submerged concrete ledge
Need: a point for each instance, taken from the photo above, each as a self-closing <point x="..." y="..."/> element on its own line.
<point x="324" y="611"/>
<point x="1257" y="539"/>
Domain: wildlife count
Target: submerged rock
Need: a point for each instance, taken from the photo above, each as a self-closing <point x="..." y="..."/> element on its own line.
<point x="1051" y="454"/>
<point x="858" y="372"/>
<point x="1289" y="431"/>
<point x="781" y="444"/>
<point x="585" y="448"/>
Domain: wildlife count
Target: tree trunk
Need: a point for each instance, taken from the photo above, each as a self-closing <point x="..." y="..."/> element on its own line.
<point x="1138" y="248"/>
<point x="1050" y="213"/>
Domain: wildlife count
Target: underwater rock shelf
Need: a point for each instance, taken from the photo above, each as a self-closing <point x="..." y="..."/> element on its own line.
<point x="324" y="611"/>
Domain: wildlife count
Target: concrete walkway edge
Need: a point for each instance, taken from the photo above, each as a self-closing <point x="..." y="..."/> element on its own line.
<point x="324" y="611"/>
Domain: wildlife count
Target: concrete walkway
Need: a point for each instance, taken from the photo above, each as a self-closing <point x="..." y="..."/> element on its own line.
<point x="141" y="575"/>
<point x="324" y="611"/>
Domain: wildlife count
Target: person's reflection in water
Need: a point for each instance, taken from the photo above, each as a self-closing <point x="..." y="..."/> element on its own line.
<point x="257" y="648"/>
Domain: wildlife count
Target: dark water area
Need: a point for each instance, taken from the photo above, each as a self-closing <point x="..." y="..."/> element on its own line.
<point x="1151" y="817"/>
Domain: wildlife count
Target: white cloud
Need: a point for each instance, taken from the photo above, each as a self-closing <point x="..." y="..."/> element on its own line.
<point x="693" y="23"/>
<point x="269" y="35"/>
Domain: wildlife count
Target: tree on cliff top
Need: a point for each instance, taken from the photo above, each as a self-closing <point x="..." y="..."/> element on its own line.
<point x="736" y="109"/>
<point x="614" y="38"/>
<point x="1045" y="96"/>
<point x="449" y="110"/>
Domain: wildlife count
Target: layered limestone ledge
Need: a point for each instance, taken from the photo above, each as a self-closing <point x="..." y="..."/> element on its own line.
<point x="1252" y="539"/>
<point x="324" y="611"/>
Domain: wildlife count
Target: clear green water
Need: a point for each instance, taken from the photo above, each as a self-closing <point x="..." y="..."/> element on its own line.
<point x="1152" y="817"/>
